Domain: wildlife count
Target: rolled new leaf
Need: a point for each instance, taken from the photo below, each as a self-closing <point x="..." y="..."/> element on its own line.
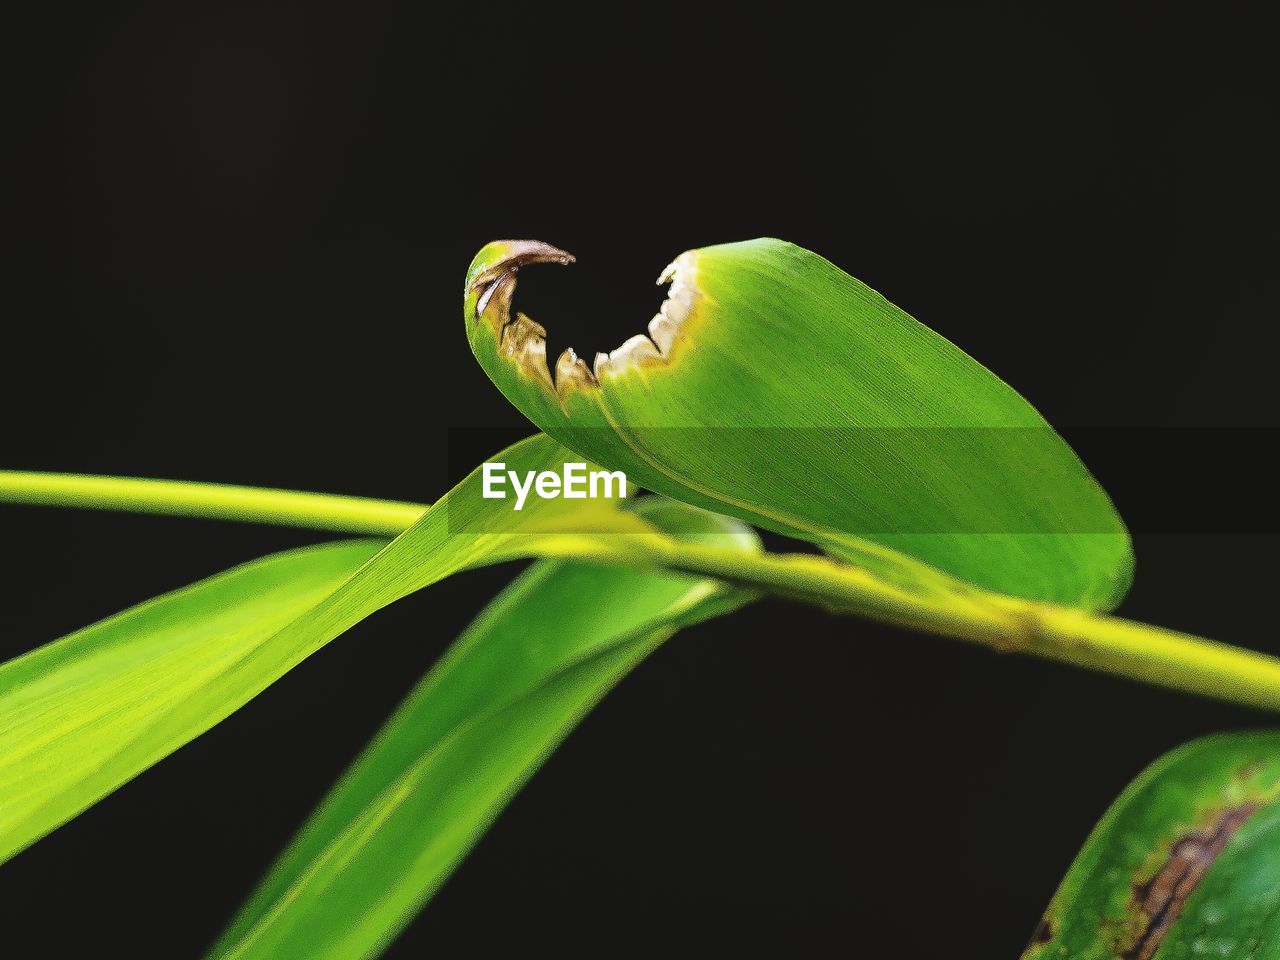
<point x="1184" y="864"/>
<point x="774" y="387"/>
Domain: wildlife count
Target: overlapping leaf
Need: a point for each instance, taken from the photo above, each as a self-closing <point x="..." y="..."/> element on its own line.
<point x="86" y="713"/>
<point x="512" y="686"/>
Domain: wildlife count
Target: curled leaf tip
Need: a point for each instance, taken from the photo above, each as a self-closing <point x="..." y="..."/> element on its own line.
<point x="508" y="256"/>
<point x="491" y="284"/>
<point x="491" y="280"/>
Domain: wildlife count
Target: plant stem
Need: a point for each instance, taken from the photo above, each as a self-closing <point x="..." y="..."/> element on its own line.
<point x="316" y="511"/>
<point x="1155" y="655"/>
<point x="1095" y="641"/>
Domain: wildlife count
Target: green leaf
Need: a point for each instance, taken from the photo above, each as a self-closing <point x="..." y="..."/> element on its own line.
<point x="84" y="714"/>
<point x="463" y="742"/>
<point x="785" y="392"/>
<point x="1184" y="864"/>
<point x="80" y="716"/>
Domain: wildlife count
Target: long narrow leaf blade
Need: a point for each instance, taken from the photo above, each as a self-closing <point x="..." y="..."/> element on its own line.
<point x="83" y="715"/>
<point x="1186" y="863"/>
<point x="473" y="731"/>
<point x="71" y="711"/>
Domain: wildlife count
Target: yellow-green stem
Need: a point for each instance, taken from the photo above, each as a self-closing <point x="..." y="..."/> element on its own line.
<point x="216" y="501"/>
<point x="1094" y="641"/>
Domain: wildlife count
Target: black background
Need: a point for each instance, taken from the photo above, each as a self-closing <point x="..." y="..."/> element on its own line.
<point x="235" y="239"/>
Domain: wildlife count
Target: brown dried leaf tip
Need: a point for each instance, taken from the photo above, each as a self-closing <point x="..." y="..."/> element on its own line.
<point x="524" y="341"/>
